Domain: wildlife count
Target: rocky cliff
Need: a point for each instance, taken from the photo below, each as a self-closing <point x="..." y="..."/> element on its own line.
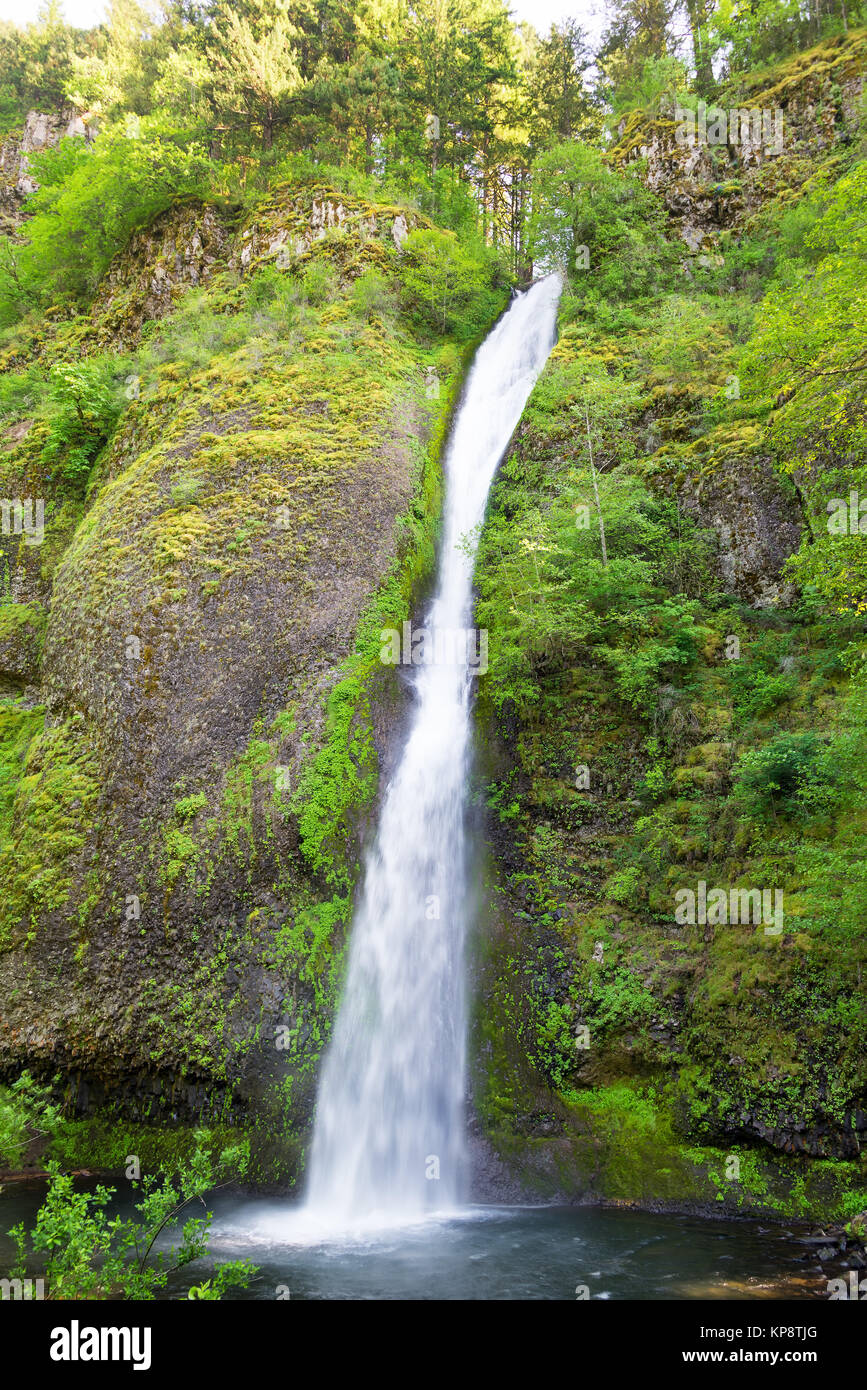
<point x="624" y="1050"/>
<point x="195" y="706"/>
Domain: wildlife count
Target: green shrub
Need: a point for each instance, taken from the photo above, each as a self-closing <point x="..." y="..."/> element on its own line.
<point x="92" y="1255"/>
<point x="772" y="777"/>
<point x="26" y="1114"/>
<point x="90" y="198"/>
<point x="372" y="295"/>
<point x="84" y="401"/>
<point x="447" y="288"/>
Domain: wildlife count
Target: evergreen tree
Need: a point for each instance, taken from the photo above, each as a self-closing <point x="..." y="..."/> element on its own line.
<point x="255" y="65"/>
<point x="559" y="100"/>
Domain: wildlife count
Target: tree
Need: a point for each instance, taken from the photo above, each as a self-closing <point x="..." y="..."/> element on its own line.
<point x="117" y="76"/>
<point x="559" y="101"/>
<point x="600" y="226"/>
<point x="638" y="37"/>
<point x="445" y="286"/>
<point x="454" y="59"/>
<point x="256" y="73"/>
<point x="355" y="84"/>
<point x="698" y="13"/>
<point x="37" y="62"/>
<point x="640" y="29"/>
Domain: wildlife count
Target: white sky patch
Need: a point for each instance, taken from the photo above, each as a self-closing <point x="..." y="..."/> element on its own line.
<point x="543" y="13"/>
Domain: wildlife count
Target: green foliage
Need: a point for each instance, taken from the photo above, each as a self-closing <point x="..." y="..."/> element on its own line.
<point x="623" y="885"/>
<point x="757" y="692"/>
<point x="750" y="35"/>
<point x="339" y="779"/>
<point x="310" y="947"/>
<point x="547" y="596"/>
<point x="89" y="200"/>
<point x="597" y="224"/>
<point x="90" y="1254"/>
<point x="26" y="1114"/>
<point x="621" y="1000"/>
<point x="446" y="287"/>
<point x="555" y="1042"/>
<point x="373" y="295"/>
<point x="83" y="403"/>
<point x="777" y="773"/>
<point x="810" y="353"/>
<point x="651" y="87"/>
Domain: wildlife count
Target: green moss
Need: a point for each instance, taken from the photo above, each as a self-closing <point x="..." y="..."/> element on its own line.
<point x="104" y="1142"/>
<point x="620" y="1143"/>
<point x="52" y="810"/>
<point x="341" y="778"/>
<point x="18" y="726"/>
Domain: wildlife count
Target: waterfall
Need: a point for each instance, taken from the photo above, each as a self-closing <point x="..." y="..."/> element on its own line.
<point x="388" y="1141"/>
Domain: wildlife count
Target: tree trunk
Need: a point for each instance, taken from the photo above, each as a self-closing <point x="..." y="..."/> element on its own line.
<point x="697" y="16"/>
<point x="368" y="147"/>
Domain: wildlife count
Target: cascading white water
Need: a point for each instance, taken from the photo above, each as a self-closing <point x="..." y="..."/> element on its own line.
<point x="388" y="1141"/>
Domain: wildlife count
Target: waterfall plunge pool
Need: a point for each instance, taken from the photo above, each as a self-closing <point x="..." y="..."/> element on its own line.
<point x="496" y="1253"/>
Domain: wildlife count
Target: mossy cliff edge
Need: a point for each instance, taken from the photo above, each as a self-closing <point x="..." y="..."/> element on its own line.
<point x="195" y="709"/>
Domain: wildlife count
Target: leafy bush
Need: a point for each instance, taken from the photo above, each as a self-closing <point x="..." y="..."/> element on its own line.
<point x="195" y="333"/>
<point x="581" y="204"/>
<point x="623" y="886"/>
<point x="548" y="597"/>
<point x="372" y="295"/>
<point x="26" y="1114"/>
<point x="21" y="393"/>
<point x="319" y="282"/>
<point x="89" y="200"/>
<point x="621" y="1000"/>
<point x="772" y="776"/>
<point x="446" y="288"/>
<point x="85" y="401"/>
<point x="756" y="692"/>
<point x="90" y="1254"/>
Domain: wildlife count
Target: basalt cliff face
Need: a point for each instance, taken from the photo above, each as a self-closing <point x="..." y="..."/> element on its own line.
<point x="763" y="138"/>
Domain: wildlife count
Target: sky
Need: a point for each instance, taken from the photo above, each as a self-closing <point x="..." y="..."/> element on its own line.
<point x="540" y="13"/>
